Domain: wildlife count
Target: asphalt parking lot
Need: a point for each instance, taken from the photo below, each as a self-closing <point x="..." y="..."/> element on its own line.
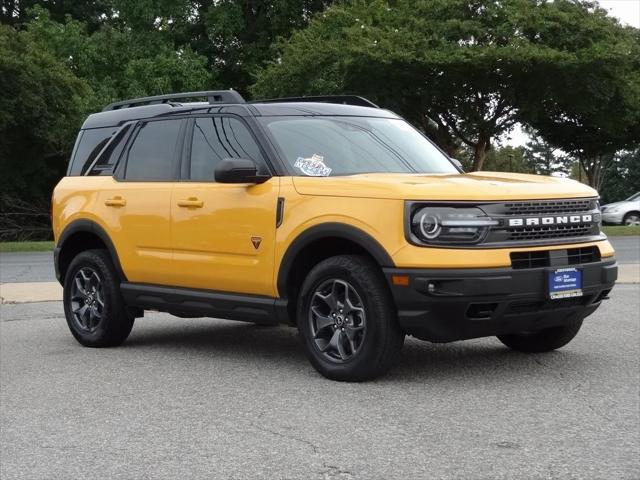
<point x="215" y="399"/>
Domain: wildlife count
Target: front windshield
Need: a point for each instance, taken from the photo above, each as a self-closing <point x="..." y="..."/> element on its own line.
<point x="332" y="146"/>
<point x="635" y="196"/>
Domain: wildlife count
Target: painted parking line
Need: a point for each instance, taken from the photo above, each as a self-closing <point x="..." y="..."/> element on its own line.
<point x="52" y="291"/>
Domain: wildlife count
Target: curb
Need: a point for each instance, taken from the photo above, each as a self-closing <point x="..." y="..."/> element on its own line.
<point x="30" y="292"/>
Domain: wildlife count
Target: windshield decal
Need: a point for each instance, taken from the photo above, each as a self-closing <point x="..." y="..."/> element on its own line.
<point x="313" y="167"/>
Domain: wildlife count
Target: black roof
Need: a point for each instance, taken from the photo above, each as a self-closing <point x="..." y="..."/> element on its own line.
<point x="225" y="102"/>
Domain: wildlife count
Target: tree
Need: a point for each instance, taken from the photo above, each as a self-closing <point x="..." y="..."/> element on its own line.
<point x="120" y="63"/>
<point x="93" y="12"/>
<point x="40" y="108"/>
<point x="235" y="36"/>
<point x="587" y="100"/>
<point x="508" y="159"/>
<point x="544" y="159"/>
<point x="623" y="177"/>
<point x="459" y="69"/>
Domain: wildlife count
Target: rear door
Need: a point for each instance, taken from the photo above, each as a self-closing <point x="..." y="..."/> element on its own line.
<point x="223" y="235"/>
<point x="135" y="203"/>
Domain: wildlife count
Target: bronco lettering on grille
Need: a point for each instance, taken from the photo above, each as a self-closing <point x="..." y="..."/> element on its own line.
<point x="555" y="220"/>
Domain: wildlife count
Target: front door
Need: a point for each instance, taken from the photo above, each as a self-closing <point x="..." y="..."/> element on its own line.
<point x="223" y="235"/>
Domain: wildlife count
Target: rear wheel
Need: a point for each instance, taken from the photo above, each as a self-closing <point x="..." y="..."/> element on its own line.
<point x="542" y="340"/>
<point x="632" y="219"/>
<point x="93" y="305"/>
<point x="347" y="319"/>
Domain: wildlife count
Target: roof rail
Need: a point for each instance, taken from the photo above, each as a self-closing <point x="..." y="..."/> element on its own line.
<point x="214" y="96"/>
<point x="343" y="99"/>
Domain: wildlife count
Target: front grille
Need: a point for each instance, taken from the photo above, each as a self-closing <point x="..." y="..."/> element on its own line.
<point x="538" y="233"/>
<point x="543" y="221"/>
<point x="555" y="258"/>
<point x="550" y="206"/>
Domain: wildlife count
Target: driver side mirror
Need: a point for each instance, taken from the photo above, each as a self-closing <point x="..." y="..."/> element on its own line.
<point x="238" y="170"/>
<point x="457" y="163"/>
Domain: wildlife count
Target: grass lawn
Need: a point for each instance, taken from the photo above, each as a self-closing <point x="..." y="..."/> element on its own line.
<point x="621" y="231"/>
<point x="26" y="246"/>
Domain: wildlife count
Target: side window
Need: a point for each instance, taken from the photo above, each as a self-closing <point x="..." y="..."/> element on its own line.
<point x="90" y="142"/>
<point x="111" y="152"/>
<point x="217" y="138"/>
<point x="152" y="154"/>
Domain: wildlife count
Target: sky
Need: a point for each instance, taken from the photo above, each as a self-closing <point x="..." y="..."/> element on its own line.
<point x="628" y="12"/>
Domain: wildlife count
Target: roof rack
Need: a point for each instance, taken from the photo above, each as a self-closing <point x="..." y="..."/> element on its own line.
<point x="343" y="99"/>
<point x="213" y="96"/>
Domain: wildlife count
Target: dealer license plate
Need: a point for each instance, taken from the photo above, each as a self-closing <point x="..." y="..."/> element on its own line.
<point x="565" y="283"/>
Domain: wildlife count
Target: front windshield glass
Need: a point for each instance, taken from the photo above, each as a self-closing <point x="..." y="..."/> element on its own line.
<point x="332" y="146"/>
<point x="635" y="196"/>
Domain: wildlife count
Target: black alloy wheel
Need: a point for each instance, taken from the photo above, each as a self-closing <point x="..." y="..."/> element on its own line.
<point x="87" y="299"/>
<point x="93" y="305"/>
<point x="337" y="320"/>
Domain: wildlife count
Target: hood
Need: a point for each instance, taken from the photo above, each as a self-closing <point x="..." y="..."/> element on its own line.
<point x="481" y="186"/>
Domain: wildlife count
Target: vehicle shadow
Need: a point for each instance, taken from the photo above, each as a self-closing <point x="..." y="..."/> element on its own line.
<point x="420" y="361"/>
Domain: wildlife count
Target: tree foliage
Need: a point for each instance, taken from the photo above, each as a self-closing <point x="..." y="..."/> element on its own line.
<point x="623" y="179"/>
<point x="41" y="105"/>
<point x="544" y="159"/>
<point x="588" y="104"/>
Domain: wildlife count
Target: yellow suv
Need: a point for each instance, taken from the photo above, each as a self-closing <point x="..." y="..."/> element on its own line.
<point x="326" y="213"/>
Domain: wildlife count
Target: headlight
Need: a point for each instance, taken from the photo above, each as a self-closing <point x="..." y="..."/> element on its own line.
<point x="450" y="225"/>
<point x="611" y="209"/>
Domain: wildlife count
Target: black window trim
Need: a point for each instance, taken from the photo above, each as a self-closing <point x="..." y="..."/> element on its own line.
<point x="185" y="161"/>
<point x="120" y="168"/>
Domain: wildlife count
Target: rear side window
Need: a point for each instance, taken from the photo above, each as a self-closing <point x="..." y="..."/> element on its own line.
<point x="109" y="155"/>
<point x="89" y="144"/>
<point x="153" y="152"/>
<point x="218" y="138"/>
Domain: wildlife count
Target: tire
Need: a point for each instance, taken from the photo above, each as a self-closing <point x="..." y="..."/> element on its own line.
<point x="543" y="340"/>
<point x="352" y="340"/>
<point x="631" y="218"/>
<point x="98" y="317"/>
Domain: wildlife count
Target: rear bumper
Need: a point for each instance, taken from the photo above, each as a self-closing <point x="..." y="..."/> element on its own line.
<point x="470" y="303"/>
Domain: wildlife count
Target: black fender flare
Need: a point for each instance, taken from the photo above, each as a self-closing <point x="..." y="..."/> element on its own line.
<point x="330" y="230"/>
<point x="87" y="226"/>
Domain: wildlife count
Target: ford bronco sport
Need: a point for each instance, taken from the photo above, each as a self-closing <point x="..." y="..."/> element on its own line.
<point x="326" y="213"/>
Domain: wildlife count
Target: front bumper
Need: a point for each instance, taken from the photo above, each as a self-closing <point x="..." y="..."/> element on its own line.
<point x="614" y="218"/>
<point x="443" y="305"/>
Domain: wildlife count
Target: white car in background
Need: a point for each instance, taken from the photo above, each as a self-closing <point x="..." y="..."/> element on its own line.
<point x="626" y="212"/>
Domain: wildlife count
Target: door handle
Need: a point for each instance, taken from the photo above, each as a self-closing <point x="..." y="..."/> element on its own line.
<point x="117" y="201"/>
<point x="191" y="202"/>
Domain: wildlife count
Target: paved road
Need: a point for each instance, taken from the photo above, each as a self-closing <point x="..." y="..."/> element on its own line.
<point x="627" y="249"/>
<point x="214" y="399"/>
<point x="38" y="267"/>
<point x="27" y="267"/>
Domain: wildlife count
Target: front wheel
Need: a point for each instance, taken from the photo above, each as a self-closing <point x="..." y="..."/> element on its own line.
<point x="347" y="319"/>
<point x="542" y="340"/>
<point x="631" y="219"/>
<point x="93" y="305"/>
